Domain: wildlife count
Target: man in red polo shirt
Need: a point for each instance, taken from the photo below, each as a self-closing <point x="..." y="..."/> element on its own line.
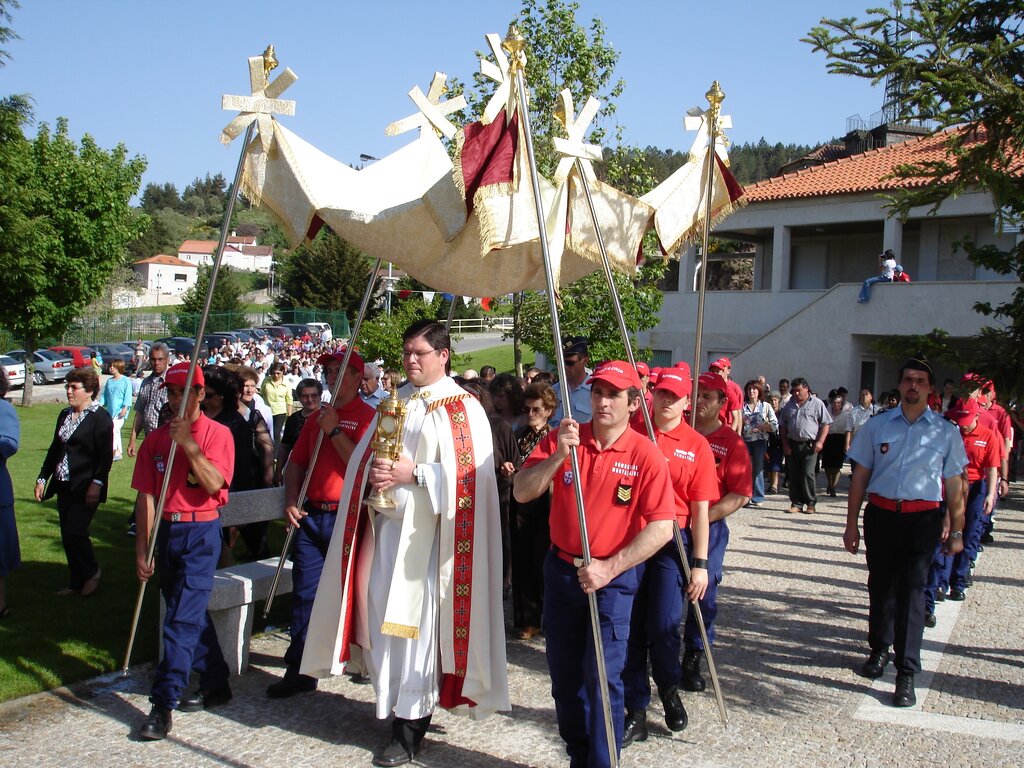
<point x="658" y="607"/>
<point x="188" y="546"/>
<point x="735" y="484"/>
<point x="342" y="427"/>
<point x="731" y="414"/>
<point x="629" y="509"/>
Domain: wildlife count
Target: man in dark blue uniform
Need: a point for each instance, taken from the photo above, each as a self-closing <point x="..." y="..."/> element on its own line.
<point x="187" y="548"/>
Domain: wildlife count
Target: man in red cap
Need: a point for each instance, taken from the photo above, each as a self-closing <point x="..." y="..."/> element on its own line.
<point x="342" y="426"/>
<point x="731" y="414"/>
<point x="629" y="508"/>
<point x="644" y="373"/>
<point x="735" y="484"/>
<point x="188" y="546"/>
<point x="658" y="607"/>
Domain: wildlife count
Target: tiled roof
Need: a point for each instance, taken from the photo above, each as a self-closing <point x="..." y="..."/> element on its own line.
<point x="866" y="172"/>
<point x="198" y="246"/>
<point x="258" y="250"/>
<point x="163" y="258"/>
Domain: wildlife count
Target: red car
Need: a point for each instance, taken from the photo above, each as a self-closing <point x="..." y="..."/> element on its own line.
<point x="80" y="356"/>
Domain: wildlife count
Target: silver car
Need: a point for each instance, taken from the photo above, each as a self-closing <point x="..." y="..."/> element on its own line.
<point x="15" y="371"/>
<point x="49" y="366"/>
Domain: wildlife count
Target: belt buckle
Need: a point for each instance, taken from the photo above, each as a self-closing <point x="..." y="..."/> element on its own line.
<point x="578" y="562"/>
<point x="175" y="517"/>
<point x="899" y="506"/>
<point x="325" y="507"/>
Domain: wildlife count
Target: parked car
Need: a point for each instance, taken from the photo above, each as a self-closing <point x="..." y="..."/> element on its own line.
<point x="111" y="352"/>
<point x="80" y="356"/>
<point x="49" y="365"/>
<point x="299" y="330"/>
<point x="278" y="332"/>
<point x="15" y="371"/>
<point x="321" y="331"/>
<point x="183" y="345"/>
<point x="259" y="333"/>
<point x="245" y="335"/>
<point x="217" y="340"/>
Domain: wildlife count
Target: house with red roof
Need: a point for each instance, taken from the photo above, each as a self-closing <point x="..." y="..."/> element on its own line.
<point x="240" y="252"/>
<point x="165" y="277"/>
<point x="816" y="234"/>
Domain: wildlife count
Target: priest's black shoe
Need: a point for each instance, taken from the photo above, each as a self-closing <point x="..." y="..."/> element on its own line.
<point x="929" y="620"/>
<point x="876" y="663"/>
<point x="290" y="685"/>
<point x="395" y="753"/>
<point x="634" y="727"/>
<point x="201" y="699"/>
<point x="904" y="696"/>
<point x="692" y="679"/>
<point x="956" y="595"/>
<point x="675" y="712"/>
<point x="157" y="725"/>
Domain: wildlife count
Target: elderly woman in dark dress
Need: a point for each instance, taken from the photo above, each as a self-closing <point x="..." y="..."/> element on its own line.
<point x="75" y="469"/>
<point x="528" y="522"/>
<point x="10" y="435"/>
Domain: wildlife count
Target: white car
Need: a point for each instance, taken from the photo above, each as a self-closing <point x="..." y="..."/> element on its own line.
<point x="15" y="371"/>
<point x="323" y="330"/>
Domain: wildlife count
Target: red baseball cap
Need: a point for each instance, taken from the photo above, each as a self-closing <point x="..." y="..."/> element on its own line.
<point x="354" y="361"/>
<point x="964" y="412"/>
<point x="720" y="363"/>
<point x="675" y="382"/>
<point x="617" y="373"/>
<point x="642" y="369"/>
<point x="711" y="380"/>
<point x="973" y="378"/>
<point x="178" y="374"/>
<point x="682" y="365"/>
<point x="655" y="373"/>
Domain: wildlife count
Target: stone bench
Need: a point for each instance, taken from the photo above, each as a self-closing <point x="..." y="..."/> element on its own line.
<point x="237" y="588"/>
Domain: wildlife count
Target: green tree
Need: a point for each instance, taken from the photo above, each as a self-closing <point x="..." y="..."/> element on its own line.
<point x="65" y="223"/>
<point x="156" y="197"/>
<point x="226" y="308"/>
<point x="328" y="273"/>
<point x="380" y="338"/>
<point x="7" y="34"/>
<point x="959" y="63"/>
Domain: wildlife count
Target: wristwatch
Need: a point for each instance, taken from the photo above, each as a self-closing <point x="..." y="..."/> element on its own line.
<point x="956" y="534"/>
<point x="334" y="432"/>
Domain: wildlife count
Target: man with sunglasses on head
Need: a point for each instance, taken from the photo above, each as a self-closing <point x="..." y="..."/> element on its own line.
<point x="574" y="349"/>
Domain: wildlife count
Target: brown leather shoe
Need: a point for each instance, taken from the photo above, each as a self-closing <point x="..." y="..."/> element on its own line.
<point x="90" y="587"/>
<point x="793" y="508"/>
<point x="527" y="632"/>
<point x="809" y="510"/>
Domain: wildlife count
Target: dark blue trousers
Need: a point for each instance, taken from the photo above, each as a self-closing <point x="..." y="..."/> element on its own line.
<point x="186" y="556"/>
<point x="718" y="540"/>
<point x="308" y="554"/>
<point x="938" y="577"/>
<point x="572" y="661"/>
<point x="654" y="630"/>
<point x="974" y="526"/>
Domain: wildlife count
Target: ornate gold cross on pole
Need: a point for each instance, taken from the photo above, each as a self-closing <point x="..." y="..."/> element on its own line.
<point x="262" y="103"/>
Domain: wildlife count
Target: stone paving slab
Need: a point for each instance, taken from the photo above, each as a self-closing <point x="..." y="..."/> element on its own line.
<point x="792" y="632"/>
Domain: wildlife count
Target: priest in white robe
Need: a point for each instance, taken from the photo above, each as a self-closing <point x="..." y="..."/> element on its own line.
<point x="412" y="595"/>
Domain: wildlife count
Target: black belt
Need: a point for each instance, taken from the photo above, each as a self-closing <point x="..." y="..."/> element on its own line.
<point x="320" y="506"/>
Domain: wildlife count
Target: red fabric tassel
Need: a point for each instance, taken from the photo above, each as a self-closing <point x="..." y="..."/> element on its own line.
<point x="488" y="154"/>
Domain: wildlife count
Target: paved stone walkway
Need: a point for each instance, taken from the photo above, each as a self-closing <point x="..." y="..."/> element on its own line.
<point x="792" y="633"/>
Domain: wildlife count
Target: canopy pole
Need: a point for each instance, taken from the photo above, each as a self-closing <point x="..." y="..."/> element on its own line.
<point x="516" y="45"/>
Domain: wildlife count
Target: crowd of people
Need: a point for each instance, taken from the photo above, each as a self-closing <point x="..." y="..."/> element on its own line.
<point x="611" y="490"/>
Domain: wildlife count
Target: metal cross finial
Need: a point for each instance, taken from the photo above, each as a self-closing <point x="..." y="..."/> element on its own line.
<point x="515" y="44"/>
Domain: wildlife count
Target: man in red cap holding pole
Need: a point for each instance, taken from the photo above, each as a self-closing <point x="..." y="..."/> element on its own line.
<point x="188" y="546"/>
<point x="342" y="426"/>
<point x="732" y="409"/>
<point x="628" y="503"/>
<point x="658" y="607"/>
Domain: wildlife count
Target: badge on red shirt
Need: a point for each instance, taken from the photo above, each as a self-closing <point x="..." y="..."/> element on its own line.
<point x="623" y="493"/>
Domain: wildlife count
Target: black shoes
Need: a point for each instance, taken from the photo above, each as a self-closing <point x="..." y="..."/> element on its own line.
<point x="904" y="696"/>
<point x="290" y="685"/>
<point x="157" y="725"/>
<point x="875" y="665"/>
<point x="692" y="680"/>
<point x="634" y="727"/>
<point x="395" y="753"/>
<point x="986" y="538"/>
<point x="194" y="702"/>
<point x="956" y="594"/>
<point x="675" y="712"/>
<point x="929" y="620"/>
<point x="940" y="595"/>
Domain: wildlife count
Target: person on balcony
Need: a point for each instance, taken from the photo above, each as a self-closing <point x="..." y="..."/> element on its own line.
<point x="887" y="262"/>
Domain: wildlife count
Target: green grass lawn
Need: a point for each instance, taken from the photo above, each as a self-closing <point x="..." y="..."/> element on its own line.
<point x="47" y="640"/>
<point x="500" y="357"/>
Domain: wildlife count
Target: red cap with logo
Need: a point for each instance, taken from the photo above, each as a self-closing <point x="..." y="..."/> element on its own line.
<point x="642" y="369"/>
<point x="178" y="374"/>
<point x="964" y="412"/>
<point x="617" y="373"/>
<point x="711" y="380"/>
<point x="720" y="364"/>
<point x="355" y="361"/>
<point x="673" y="380"/>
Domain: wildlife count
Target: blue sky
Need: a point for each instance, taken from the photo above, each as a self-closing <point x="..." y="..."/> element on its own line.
<point x="151" y="74"/>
